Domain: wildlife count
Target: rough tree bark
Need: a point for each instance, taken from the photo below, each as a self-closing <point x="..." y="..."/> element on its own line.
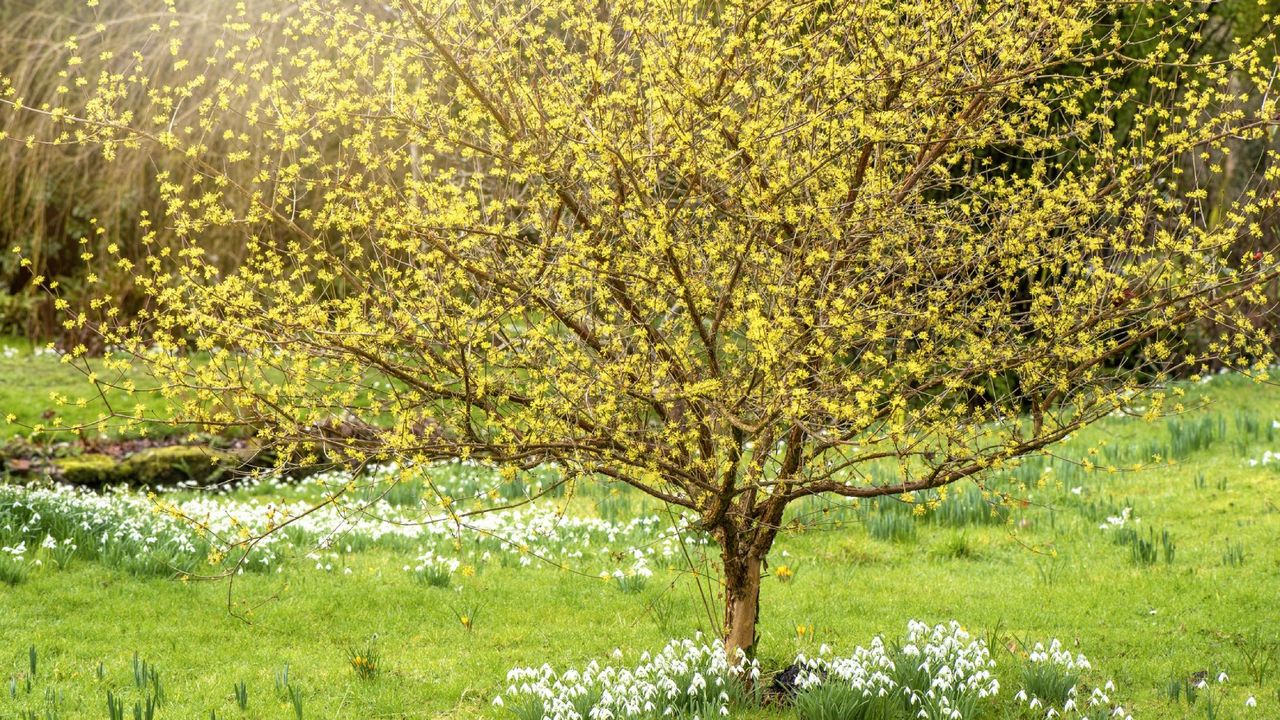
<point x="742" y="553"/>
<point x="741" y="603"/>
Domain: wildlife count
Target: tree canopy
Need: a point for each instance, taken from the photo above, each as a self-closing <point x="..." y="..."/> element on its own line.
<point x="728" y="253"/>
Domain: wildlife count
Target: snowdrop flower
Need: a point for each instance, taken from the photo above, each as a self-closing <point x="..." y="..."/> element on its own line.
<point x="1250" y="702"/>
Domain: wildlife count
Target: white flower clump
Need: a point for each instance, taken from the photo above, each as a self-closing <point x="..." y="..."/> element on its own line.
<point x="1057" y="661"/>
<point x="1059" y="656"/>
<point x="1268" y="456"/>
<point x="522" y="536"/>
<point x="1115" y="522"/>
<point x="459" y="481"/>
<point x="940" y="670"/>
<point x="639" y="566"/>
<point x="114" y="522"/>
<point x="9" y="352"/>
<point x="687" y="678"/>
<point x="431" y="560"/>
<point x="431" y="565"/>
<point x="123" y="522"/>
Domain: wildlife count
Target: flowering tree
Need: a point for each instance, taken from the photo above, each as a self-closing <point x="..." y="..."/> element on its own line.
<point x="727" y="253"/>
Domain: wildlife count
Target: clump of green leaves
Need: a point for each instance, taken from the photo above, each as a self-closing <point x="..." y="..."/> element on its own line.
<point x="147" y="679"/>
<point x="467" y="613"/>
<point x="890" y="520"/>
<point x="1048" y="677"/>
<point x="364" y="659"/>
<point x="1234" y="555"/>
<point x="288" y="691"/>
<point x="145" y="709"/>
<point x="1259" y="654"/>
<point x="115" y="707"/>
<point x="13" y="569"/>
<point x="282" y="679"/>
<point x="840" y="701"/>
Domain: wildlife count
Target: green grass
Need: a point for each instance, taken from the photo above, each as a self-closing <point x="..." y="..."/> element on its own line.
<point x="1047" y="572"/>
<point x="42" y="392"/>
<point x="30" y="386"/>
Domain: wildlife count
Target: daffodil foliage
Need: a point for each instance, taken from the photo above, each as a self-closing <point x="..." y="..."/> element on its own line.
<point x="727" y="252"/>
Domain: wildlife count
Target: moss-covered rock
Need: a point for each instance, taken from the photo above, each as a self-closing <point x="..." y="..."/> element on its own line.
<point x="88" y="469"/>
<point x="177" y="463"/>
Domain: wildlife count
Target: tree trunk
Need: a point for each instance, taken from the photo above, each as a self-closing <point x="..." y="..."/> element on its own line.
<point x="741" y="604"/>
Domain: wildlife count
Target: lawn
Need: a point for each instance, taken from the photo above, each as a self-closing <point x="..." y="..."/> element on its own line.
<point x="39" y="390"/>
<point x="1203" y="599"/>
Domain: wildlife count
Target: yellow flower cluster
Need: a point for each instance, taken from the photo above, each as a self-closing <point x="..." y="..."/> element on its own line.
<point x="727" y="253"/>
